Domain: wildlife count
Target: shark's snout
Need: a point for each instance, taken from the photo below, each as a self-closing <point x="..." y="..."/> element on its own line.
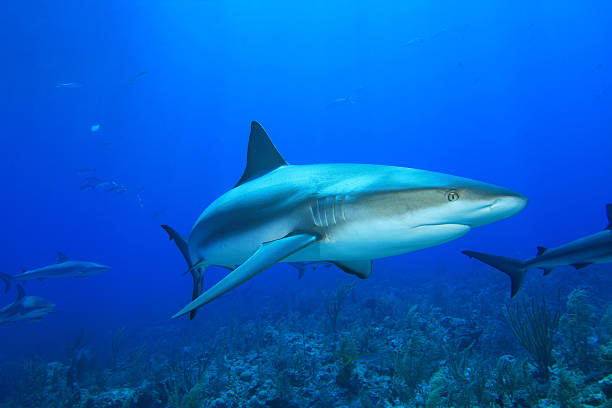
<point x="503" y="204"/>
<point x="100" y="268"/>
<point x="509" y="205"/>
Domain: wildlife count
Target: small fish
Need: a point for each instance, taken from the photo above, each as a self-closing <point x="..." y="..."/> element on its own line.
<point x="413" y="41"/>
<point x="138" y="75"/>
<point x="139" y="198"/>
<point x="121" y="190"/>
<point x="95" y="128"/>
<point x="344" y="100"/>
<point x="70" y="85"/>
<point x="90" y="183"/>
<point x="106" y="144"/>
<point x="92" y="180"/>
<point x="108" y="186"/>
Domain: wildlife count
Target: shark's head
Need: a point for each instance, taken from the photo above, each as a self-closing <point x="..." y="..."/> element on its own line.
<point x="424" y="198"/>
<point x="473" y="203"/>
<point x="404" y="210"/>
<point x="444" y="200"/>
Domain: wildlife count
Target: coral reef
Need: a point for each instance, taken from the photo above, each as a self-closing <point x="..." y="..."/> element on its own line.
<point x="381" y="347"/>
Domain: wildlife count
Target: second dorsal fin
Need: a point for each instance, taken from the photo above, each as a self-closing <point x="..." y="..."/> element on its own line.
<point x="61" y="258"/>
<point x="262" y="156"/>
<point x="609" y="213"/>
<point x="541" y="250"/>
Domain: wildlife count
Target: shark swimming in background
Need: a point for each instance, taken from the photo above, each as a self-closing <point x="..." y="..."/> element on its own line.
<point x="70" y="85"/>
<point x="589" y="250"/>
<point x="303" y="267"/>
<point x="64" y="268"/>
<point x="25" y="308"/>
<point x="347" y="214"/>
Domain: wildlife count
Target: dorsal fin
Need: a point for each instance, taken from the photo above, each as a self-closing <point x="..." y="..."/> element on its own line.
<point x="20" y="292"/>
<point x="609" y="211"/>
<point x="541" y="250"/>
<point x="61" y="258"/>
<point x="262" y="156"/>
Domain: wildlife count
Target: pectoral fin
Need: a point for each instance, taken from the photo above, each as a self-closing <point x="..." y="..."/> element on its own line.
<point x="267" y="255"/>
<point x="362" y="269"/>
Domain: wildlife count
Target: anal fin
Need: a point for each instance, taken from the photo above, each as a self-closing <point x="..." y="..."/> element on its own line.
<point x="581" y="265"/>
<point x="546" y="271"/>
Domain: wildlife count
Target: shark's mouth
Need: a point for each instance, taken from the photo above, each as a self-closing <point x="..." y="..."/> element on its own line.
<point x="441" y="232"/>
<point x="443" y="224"/>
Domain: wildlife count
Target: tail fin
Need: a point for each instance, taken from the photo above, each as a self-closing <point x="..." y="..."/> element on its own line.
<point x="512" y="267"/>
<point x="8" y="280"/>
<point x="197" y="274"/>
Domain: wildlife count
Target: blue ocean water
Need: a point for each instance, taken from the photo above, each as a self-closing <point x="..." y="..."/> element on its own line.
<point x="517" y="95"/>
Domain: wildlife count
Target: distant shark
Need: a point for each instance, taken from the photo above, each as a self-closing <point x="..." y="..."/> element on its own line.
<point x="348" y="214"/>
<point x="64" y="268"/>
<point x="303" y="267"/>
<point x="25" y="308"/>
<point x="592" y="249"/>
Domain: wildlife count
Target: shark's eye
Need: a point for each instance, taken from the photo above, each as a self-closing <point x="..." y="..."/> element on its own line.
<point x="452" y="195"/>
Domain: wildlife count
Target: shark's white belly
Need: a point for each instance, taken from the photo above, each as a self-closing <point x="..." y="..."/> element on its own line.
<point x="362" y="240"/>
<point x="365" y="241"/>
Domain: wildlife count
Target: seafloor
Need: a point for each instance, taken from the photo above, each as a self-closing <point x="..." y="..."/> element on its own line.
<point x="398" y="341"/>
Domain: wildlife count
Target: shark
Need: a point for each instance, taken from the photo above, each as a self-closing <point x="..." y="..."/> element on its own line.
<point x="63" y="268"/>
<point x="25" y="308"/>
<point x="347" y="214"/>
<point x="592" y="249"/>
<point x="302" y="267"/>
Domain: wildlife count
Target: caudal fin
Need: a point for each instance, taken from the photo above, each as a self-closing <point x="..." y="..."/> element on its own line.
<point x="512" y="267"/>
<point x="197" y="270"/>
<point x="8" y="281"/>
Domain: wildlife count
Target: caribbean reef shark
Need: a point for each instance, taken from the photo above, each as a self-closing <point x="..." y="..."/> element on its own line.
<point x="347" y="214"/>
<point x="64" y="268"/>
<point x="592" y="249"/>
<point x="25" y="308"/>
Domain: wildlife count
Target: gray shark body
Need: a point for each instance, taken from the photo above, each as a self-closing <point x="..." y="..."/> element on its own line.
<point x="25" y="308"/>
<point x="348" y="214"/>
<point x="64" y="268"/>
<point x="303" y="267"/>
<point x="589" y="250"/>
